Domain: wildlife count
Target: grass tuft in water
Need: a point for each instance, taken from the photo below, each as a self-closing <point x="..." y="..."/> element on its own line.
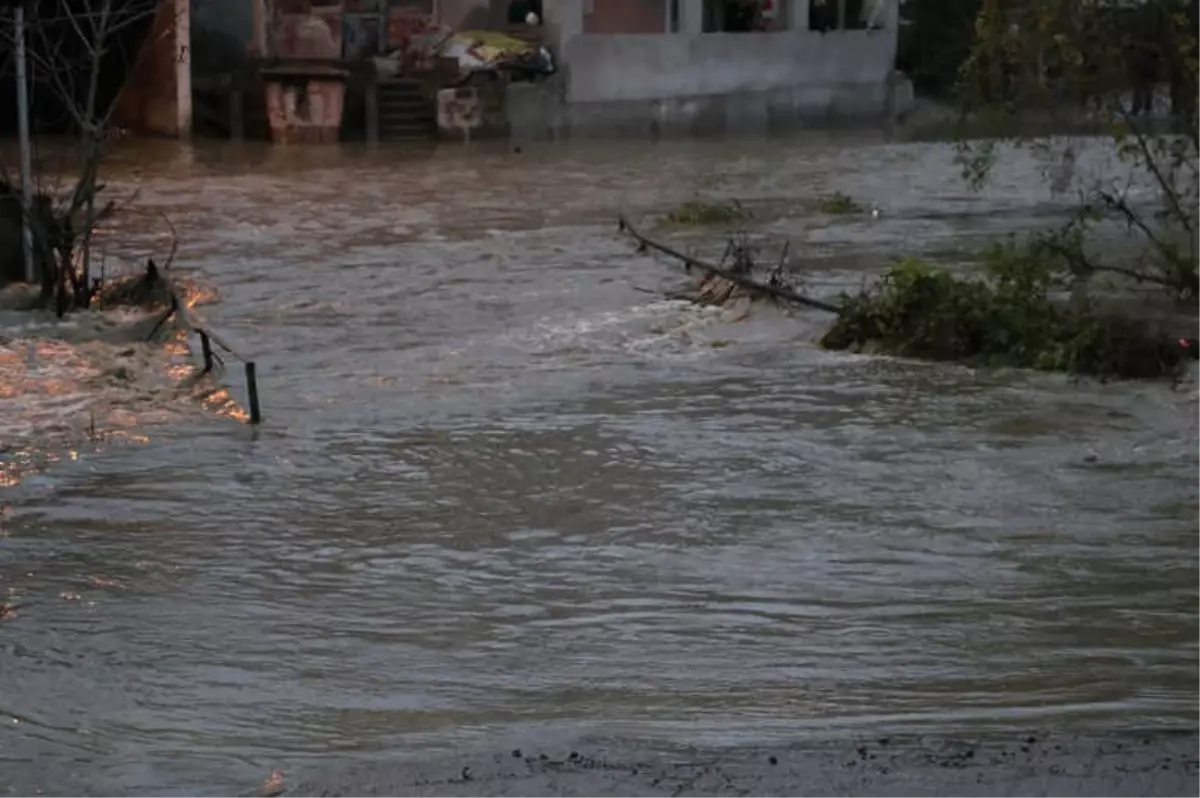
<point x="696" y="213"/>
<point x="839" y="204"/>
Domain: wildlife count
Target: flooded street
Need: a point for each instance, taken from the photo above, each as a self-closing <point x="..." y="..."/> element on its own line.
<point x="502" y="493"/>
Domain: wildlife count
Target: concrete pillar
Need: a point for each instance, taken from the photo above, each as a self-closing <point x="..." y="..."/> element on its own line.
<point x="237" y="102"/>
<point x="258" y="36"/>
<point x="372" y="103"/>
<point x="564" y="20"/>
<point x="691" y="17"/>
<point x="183" y="68"/>
<point x="797" y="14"/>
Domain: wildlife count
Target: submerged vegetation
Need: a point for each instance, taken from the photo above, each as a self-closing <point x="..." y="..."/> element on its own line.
<point x="697" y="213"/>
<point x="1011" y="313"/>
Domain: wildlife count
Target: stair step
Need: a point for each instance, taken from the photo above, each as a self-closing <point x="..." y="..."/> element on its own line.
<point x="424" y="110"/>
<point x="393" y="129"/>
<point x="395" y="123"/>
<point x="424" y="119"/>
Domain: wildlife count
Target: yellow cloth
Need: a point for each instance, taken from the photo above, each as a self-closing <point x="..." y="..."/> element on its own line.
<point x="489" y="45"/>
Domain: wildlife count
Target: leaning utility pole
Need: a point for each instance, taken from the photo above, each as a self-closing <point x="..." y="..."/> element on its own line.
<point x="23" y="127"/>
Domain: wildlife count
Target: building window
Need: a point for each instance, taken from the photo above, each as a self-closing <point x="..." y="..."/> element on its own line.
<point x="741" y="16"/>
<point x="826" y="15"/>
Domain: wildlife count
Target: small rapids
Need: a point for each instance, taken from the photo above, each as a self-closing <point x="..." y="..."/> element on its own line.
<point x="94" y="378"/>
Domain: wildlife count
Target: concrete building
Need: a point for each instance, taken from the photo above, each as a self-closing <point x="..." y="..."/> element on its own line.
<point x="225" y="29"/>
<point x="679" y="67"/>
<point x="641" y="68"/>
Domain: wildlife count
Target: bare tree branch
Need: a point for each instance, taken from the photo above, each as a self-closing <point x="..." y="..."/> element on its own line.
<point x="69" y="44"/>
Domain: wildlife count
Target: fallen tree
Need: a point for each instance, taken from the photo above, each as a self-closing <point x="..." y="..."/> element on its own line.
<point x="739" y="276"/>
<point x="1008" y="315"/>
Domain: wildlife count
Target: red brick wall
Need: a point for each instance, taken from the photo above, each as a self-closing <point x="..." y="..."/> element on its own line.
<point x="626" y="16"/>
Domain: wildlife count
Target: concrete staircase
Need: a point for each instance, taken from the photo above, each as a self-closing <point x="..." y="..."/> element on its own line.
<point x="406" y="112"/>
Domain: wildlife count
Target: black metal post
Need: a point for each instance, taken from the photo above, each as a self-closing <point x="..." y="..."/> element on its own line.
<point x="252" y="389"/>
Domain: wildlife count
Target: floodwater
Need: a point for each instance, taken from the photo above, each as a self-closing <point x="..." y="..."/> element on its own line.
<point x="503" y="490"/>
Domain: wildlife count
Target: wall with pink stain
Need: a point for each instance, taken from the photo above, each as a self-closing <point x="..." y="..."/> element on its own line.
<point x="307" y="109"/>
<point x="317" y="34"/>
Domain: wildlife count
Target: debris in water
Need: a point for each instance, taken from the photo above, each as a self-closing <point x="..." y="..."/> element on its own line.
<point x="722" y="283"/>
<point x="1005" y="317"/>
<point x="272" y="787"/>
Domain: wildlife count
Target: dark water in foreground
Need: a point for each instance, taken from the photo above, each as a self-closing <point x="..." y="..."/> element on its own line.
<point x="501" y="492"/>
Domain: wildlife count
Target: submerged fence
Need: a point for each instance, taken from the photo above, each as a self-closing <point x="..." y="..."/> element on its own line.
<point x="208" y="337"/>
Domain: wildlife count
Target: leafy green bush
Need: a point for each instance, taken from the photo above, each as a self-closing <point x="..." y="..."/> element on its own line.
<point x="1005" y="318"/>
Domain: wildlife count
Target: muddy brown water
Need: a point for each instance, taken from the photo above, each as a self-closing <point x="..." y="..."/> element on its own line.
<point x="501" y="492"/>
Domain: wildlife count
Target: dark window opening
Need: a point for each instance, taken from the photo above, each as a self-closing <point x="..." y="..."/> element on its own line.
<point x="519" y="11"/>
<point x="732" y="16"/>
<point x="827" y="15"/>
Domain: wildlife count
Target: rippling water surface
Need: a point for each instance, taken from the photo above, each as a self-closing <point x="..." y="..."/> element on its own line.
<point x="501" y="491"/>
